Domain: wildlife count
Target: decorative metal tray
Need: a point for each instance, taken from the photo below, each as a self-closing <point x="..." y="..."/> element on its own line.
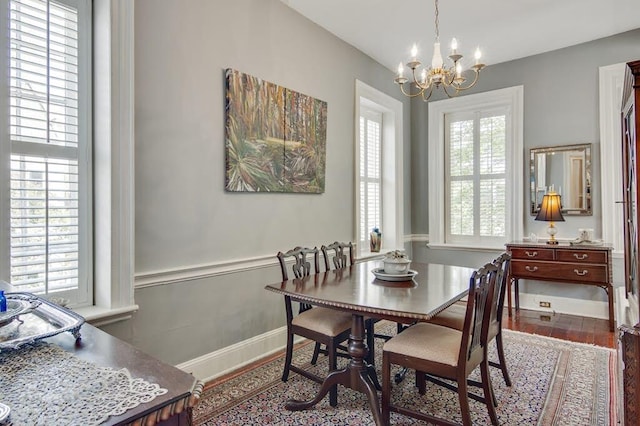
<point x="30" y="318"/>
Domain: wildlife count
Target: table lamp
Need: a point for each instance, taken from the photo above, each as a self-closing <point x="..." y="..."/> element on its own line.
<point x="550" y="211"/>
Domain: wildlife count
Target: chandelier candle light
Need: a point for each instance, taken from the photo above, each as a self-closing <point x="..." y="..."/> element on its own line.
<point x="450" y="79"/>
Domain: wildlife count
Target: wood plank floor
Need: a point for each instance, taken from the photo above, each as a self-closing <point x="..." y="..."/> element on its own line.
<point x="567" y="327"/>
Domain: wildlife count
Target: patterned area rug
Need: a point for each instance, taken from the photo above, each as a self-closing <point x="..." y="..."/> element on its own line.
<point x="555" y="382"/>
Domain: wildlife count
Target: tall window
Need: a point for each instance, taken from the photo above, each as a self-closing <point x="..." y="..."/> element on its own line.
<point x="476" y="170"/>
<point x="475" y="173"/>
<point x="49" y="150"/>
<point x="379" y="179"/>
<point x="370" y="174"/>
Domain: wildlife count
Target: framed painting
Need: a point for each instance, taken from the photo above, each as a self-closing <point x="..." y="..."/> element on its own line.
<point x="275" y="138"/>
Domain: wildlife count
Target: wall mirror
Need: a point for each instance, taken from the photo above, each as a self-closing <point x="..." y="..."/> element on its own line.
<point x="565" y="170"/>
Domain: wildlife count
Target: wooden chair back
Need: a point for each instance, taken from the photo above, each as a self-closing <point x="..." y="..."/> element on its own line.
<point x="301" y="266"/>
<point x="502" y="263"/>
<point x="481" y="289"/>
<point x="340" y="254"/>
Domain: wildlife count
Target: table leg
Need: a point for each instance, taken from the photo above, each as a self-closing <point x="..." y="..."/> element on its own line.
<point x="516" y="284"/>
<point x="356" y="375"/>
<point x="612" y="321"/>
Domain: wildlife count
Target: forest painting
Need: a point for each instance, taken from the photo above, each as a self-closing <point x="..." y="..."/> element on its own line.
<point x="275" y="137"/>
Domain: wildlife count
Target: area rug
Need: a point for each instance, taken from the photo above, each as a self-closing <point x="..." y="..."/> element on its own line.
<point x="555" y="382"/>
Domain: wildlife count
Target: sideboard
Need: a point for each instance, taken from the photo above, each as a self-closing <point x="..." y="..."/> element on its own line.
<point x="563" y="263"/>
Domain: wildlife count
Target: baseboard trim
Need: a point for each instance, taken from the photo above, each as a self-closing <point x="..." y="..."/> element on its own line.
<point x="565" y="305"/>
<point x="218" y="363"/>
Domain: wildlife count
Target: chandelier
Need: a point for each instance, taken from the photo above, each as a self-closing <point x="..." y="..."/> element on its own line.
<point x="451" y="79"/>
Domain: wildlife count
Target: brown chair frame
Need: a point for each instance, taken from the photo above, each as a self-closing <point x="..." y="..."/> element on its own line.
<point x="301" y="268"/>
<point x="472" y="353"/>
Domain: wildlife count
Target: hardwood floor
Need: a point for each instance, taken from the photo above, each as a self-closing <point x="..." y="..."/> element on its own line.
<point x="561" y="326"/>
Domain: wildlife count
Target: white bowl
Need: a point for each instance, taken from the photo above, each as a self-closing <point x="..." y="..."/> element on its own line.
<point x="396" y="266"/>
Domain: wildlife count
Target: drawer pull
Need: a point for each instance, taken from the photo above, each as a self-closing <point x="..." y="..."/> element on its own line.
<point x="531" y="253"/>
<point x="582" y="274"/>
<point x="582" y="256"/>
<point x="531" y="268"/>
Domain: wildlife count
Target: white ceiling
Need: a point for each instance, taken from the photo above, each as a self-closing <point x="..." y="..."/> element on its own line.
<point x="503" y="29"/>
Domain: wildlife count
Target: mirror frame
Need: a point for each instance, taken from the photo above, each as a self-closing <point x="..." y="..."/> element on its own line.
<point x="588" y="211"/>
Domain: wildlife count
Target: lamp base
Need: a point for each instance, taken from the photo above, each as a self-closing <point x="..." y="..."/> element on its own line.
<point x="552" y="242"/>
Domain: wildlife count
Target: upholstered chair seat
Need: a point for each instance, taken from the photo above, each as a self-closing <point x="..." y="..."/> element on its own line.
<point x="323" y="320"/>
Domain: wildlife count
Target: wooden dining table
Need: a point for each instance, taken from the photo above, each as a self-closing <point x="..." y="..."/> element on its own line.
<point x="356" y="290"/>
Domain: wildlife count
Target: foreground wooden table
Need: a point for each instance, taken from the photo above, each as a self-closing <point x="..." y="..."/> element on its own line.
<point x="172" y="408"/>
<point x="357" y="291"/>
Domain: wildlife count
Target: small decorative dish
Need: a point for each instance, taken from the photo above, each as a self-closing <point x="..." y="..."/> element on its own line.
<point x="4" y="411"/>
<point x="382" y="275"/>
<point x="16" y="307"/>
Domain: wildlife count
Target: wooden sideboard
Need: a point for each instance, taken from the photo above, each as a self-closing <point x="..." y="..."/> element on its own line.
<point x="565" y="263"/>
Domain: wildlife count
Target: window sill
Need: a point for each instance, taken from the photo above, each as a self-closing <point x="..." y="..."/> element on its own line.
<point x="99" y="316"/>
<point x="487" y="248"/>
<point x="370" y="256"/>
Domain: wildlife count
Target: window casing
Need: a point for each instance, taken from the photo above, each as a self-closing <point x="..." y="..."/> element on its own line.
<point x="476" y="170"/>
<point x="113" y="160"/>
<point x="391" y="155"/>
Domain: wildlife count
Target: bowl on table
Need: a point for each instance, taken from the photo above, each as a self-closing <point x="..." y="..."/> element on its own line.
<point x="396" y="262"/>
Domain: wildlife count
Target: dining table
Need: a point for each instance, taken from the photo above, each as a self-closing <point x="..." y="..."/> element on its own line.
<point x="364" y="290"/>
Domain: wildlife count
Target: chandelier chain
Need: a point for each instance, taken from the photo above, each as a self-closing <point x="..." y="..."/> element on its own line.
<point x="437" y="23"/>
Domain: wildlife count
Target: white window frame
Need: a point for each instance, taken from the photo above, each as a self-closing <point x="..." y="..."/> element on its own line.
<point x="392" y="226"/>
<point x="511" y="98"/>
<point x="113" y="153"/>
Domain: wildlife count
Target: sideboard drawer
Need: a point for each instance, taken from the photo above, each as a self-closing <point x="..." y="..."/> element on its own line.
<point x="570" y="272"/>
<point x="532" y="253"/>
<point x="586" y="256"/>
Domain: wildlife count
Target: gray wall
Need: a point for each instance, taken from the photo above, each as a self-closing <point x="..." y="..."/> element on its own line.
<point x="560" y="108"/>
<point x="184" y="218"/>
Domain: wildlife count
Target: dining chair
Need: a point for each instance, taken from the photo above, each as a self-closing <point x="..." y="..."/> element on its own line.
<point x="453" y="316"/>
<point x="341" y="255"/>
<point x="322" y="325"/>
<point x="445" y="353"/>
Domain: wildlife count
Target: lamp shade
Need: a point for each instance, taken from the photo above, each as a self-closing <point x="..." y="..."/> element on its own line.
<point x="550" y="210"/>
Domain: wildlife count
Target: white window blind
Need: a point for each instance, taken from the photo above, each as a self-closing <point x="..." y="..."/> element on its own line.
<point x="476" y="171"/>
<point x="370" y="174"/>
<point x="49" y="147"/>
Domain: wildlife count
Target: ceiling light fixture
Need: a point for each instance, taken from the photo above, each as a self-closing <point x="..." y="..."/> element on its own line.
<point x="450" y="79"/>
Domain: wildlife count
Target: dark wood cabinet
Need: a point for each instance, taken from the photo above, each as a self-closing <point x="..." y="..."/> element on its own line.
<point x="629" y="343"/>
<point x="586" y="265"/>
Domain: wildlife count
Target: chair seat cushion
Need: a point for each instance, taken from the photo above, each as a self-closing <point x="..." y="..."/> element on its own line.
<point x="452" y="317"/>
<point x="323" y="320"/>
<point x="427" y="341"/>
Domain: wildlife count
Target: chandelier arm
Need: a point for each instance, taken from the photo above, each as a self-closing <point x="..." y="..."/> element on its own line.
<point x="408" y="94"/>
<point x="449" y="95"/>
<point x="416" y="81"/>
<point x="451" y="73"/>
<point x="426" y="98"/>
<point x="473" y="83"/>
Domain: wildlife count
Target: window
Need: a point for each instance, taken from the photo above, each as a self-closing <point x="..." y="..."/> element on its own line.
<point x="379" y="153"/>
<point x="105" y="168"/>
<point x="475" y="174"/>
<point x="476" y="169"/>
<point x="370" y="173"/>
<point x="49" y="148"/>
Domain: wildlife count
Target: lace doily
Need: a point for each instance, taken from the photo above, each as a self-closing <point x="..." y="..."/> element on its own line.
<point x="46" y="385"/>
